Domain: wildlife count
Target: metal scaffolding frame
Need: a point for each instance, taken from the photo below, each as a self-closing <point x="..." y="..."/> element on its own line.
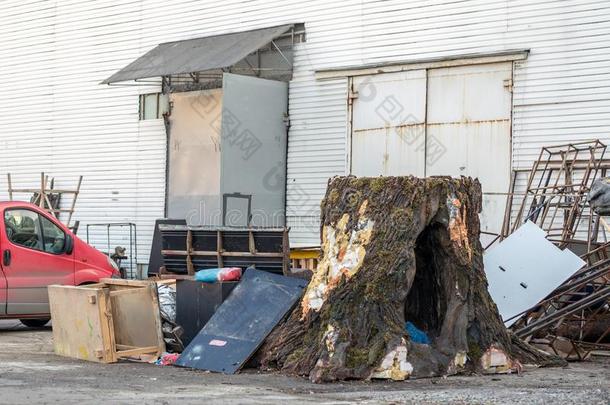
<point x="555" y="196"/>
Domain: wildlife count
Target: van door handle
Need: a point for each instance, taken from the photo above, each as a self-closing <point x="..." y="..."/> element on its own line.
<point x="6" y="257"/>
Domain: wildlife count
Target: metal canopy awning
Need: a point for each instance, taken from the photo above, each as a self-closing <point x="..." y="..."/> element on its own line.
<point x="197" y="55"/>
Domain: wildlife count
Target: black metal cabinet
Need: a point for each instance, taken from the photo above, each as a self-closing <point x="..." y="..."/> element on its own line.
<point x="196" y="302"/>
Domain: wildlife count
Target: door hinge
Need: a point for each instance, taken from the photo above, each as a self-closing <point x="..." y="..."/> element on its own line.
<point x="508" y="84"/>
<point x="286" y="120"/>
<point x="351" y="96"/>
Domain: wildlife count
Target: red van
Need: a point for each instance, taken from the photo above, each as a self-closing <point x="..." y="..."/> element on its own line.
<point x="37" y="250"/>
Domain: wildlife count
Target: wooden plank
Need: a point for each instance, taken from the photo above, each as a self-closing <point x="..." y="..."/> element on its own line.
<point x="124" y="282"/>
<point x="10" y="187"/>
<point x="220" y="254"/>
<point x="190" y="268"/>
<point x="80" y="180"/>
<point x="125" y="291"/>
<point x="124" y="347"/>
<point x="251" y="244"/>
<point x="37" y="190"/>
<point x="42" y="190"/>
<point x="106" y="327"/>
<point x="136" y="318"/>
<point x="219" y="250"/>
<point x="167" y="281"/>
<point x="140" y="350"/>
<point x="176" y="276"/>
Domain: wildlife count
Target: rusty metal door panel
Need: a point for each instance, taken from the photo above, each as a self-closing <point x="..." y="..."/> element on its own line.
<point x="468" y="131"/>
<point x="389" y="151"/>
<point x="448" y="121"/>
<point x="388" y="124"/>
<point x="480" y="149"/>
<point x="467" y="94"/>
<point x="368" y="152"/>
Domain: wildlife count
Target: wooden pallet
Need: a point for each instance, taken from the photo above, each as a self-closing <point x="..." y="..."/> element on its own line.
<point x="108" y="321"/>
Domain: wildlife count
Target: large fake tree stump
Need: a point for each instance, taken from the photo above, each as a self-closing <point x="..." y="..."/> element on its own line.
<point x="397" y="250"/>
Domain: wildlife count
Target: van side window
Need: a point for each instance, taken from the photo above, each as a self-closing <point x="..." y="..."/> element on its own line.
<point x="23" y="228"/>
<point x="54" y="238"/>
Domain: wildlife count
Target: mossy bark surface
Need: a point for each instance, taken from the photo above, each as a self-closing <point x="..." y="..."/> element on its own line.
<point x="397" y="249"/>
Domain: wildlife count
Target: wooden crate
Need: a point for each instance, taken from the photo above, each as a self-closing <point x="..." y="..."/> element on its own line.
<point x="107" y="321"/>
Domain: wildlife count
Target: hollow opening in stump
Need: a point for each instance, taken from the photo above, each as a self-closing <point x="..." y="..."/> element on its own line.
<point x="426" y="302"/>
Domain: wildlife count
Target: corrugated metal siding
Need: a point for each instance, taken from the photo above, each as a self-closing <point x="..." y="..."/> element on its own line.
<point x="57" y="118"/>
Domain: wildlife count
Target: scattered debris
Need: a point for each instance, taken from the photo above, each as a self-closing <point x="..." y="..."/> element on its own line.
<point x="573" y="309"/>
<point x="599" y="196"/>
<point x="118" y="256"/>
<point x="218" y="275"/>
<point x="568" y="198"/>
<point x="399" y="289"/>
<point x="167" y="301"/>
<point x="167" y="359"/>
<point x="172" y="331"/>
<point x="242" y="322"/>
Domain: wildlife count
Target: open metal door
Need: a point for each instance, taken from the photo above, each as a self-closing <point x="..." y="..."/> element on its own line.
<point x="253" y="150"/>
<point x="194" y="157"/>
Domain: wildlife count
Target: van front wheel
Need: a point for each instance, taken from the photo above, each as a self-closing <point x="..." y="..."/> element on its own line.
<point x="34" y="323"/>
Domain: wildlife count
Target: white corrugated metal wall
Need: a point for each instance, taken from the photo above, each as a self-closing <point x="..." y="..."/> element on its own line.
<point x="57" y="118"/>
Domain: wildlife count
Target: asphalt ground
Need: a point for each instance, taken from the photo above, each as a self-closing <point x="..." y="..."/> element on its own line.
<point x="31" y="373"/>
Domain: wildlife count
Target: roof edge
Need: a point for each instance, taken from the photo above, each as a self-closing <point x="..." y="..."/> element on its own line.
<point x="444" y="61"/>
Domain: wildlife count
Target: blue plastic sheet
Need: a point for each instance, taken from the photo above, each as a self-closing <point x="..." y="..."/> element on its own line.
<point x="417" y="335"/>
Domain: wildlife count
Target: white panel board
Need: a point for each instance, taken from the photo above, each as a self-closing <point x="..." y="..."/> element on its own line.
<point x="388" y="131"/>
<point x="524" y="268"/>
